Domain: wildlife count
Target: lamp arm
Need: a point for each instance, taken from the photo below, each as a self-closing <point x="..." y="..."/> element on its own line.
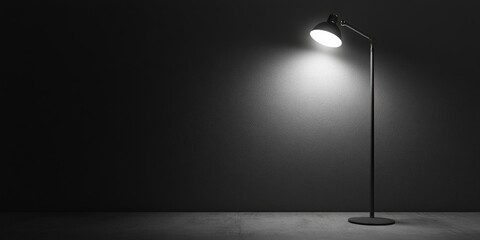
<point x="343" y="23"/>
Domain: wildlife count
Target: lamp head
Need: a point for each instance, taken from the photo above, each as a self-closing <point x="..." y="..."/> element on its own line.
<point x="327" y="33"/>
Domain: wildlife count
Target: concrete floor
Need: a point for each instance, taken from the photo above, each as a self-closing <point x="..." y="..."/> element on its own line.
<point x="227" y="226"/>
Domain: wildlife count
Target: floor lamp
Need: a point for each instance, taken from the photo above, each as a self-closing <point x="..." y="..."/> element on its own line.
<point x="328" y="34"/>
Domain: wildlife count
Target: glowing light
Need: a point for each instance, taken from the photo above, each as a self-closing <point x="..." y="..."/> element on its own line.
<point x="326" y="38"/>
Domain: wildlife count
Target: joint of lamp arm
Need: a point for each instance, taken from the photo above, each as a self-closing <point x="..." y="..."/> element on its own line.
<point x="343" y="23"/>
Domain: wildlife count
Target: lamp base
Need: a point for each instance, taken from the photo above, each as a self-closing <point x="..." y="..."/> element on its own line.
<point x="373" y="221"/>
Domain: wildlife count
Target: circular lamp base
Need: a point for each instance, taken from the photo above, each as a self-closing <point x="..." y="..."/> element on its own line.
<point x="375" y="221"/>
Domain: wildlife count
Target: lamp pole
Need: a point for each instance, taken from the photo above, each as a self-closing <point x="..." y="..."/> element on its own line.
<point x="372" y="220"/>
<point x="343" y="23"/>
<point x="372" y="134"/>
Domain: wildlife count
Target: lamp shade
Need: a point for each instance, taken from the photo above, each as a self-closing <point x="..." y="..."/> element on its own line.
<point x="327" y="33"/>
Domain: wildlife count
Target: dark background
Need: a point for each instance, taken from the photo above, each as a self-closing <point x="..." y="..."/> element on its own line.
<point x="231" y="106"/>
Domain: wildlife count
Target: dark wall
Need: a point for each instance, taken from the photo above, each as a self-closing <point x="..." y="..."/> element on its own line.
<point x="231" y="106"/>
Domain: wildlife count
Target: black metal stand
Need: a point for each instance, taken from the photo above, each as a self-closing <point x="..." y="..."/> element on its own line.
<point x="372" y="220"/>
